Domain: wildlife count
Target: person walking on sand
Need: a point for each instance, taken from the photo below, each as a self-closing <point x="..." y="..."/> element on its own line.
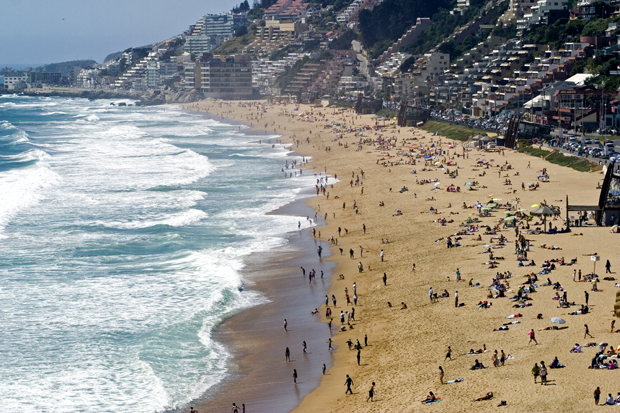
<point x="587" y="331"/>
<point x="607" y="267"/>
<point x="532" y="335"/>
<point x="305" y="347"/>
<point x="287" y="354"/>
<point x="441" y="374"/>
<point x="587" y="296"/>
<point x="361" y="252"/>
<point x="348" y="382"/>
<point x="295" y="376"/>
<point x="329" y="344"/>
<point x="448" y="354"/>
<point x="235" y="409"/>
<point x="324" y="369"/>
<point x="371" y="392"/>
<point x="285" y="325"/>
<point x="543" y="373"/>
<point x="384" y="279"/>
<point x="359" y="356"/>
<point x="597" y="395"/>
<point x="456" y="298"/>
<point x="613" y="324"/>
<point x="535" y="371"/>
<point x="382" y="255"/>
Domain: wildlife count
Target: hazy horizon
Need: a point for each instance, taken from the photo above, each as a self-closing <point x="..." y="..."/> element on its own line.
<point x="66" y="30"/>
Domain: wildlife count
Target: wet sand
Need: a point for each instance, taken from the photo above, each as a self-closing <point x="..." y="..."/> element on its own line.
<point x="259" y="375"/>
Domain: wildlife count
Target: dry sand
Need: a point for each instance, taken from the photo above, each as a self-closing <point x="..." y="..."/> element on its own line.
<point x="406" y="347"/>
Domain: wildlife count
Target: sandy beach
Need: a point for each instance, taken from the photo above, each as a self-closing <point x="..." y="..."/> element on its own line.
<point x="406" y="347"/>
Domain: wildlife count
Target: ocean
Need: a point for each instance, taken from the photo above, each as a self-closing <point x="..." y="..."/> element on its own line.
<point x="122" y="236"/>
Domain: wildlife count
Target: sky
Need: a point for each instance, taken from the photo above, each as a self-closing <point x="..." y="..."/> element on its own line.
<point x="35" y="32"/>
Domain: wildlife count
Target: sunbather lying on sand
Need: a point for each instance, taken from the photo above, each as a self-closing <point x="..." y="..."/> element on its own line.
<point x="487" y="396"/>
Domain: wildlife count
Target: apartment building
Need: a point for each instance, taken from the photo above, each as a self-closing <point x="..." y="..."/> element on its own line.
<point x="294" y="10"/>
<point x="223" y="77"/>
<point x="18" y="80"/>
<point x="152" y="77"/>
<point x="211" y="31"/>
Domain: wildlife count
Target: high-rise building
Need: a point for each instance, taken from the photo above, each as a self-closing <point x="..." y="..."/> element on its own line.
<point x="152" y="78"/>
<point x="210" y="31"/>
<point x="224" y="77"/>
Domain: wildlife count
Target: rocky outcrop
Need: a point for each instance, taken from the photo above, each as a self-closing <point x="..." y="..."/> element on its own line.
<point x="148" y="98"/>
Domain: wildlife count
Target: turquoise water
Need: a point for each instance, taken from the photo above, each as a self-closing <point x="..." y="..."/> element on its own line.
<point x="122" y="235"/>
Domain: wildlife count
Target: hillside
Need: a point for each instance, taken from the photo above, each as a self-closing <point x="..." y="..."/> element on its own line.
<point x="64" y="67"/>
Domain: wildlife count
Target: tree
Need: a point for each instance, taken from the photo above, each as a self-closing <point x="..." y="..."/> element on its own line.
<point x="241" y="31"/>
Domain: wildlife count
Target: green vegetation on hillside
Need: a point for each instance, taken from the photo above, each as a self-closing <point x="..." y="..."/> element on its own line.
<point x="391" y="19"/>
<point x="442" y="25"/>
<point x="456" y="132"/>
<point x="343" y="42"/>
<point x="555" y="157"/>
<point x="236" y="44"/>
<point x="65" y="67"/>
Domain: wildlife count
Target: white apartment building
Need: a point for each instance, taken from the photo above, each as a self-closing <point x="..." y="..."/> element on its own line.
<point x="18" y="81"/>
<point x="540" y="12"/>
<point x="152" y="78"/>
<point x="435" y="63"/>
<point x="209" y="32"/>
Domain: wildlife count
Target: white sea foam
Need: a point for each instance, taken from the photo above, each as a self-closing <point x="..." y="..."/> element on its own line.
<point x="188" y="217"/>
<point x="134" y="252"/>
<point x="6" y="125"/>
<point x="21" y="189"/>
<point x="53" y="113"/>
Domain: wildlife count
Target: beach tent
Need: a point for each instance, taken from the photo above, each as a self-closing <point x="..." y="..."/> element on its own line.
<point x="558" y="320"/>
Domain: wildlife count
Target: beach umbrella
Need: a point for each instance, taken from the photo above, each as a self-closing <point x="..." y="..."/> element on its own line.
<point x="558" y="320"/>
<point x="438" y="183"/>
<point x="544" y="211"/>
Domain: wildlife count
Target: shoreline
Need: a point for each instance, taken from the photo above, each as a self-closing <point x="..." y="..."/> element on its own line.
<point x="259" y="375"/>
<point x="256" y="366"/>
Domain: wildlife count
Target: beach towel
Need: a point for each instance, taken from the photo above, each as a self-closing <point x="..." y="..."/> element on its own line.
<point x="437" y="400"/>
<point x="455" y="381"/>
